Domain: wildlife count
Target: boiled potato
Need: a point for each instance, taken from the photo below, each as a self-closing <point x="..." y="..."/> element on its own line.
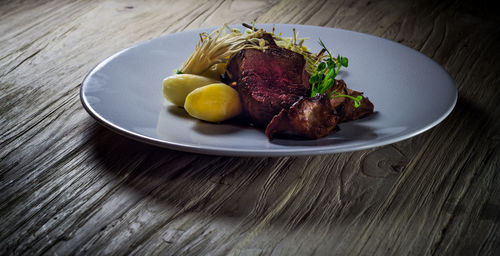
<point x="177" y="87"/>
<point x="215" y="71"/>
<point x="213" y="103"/>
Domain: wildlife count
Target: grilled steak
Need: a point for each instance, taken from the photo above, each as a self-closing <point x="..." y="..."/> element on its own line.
<point x="268" y="81"/>
<point x="309" y="118"/>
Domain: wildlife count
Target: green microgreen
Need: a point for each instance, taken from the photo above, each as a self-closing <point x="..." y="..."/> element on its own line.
<point x="323" y="77"/>
<point x="357" y="99"/>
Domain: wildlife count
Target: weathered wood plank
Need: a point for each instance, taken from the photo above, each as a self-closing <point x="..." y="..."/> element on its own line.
<point x="69" y="186"/>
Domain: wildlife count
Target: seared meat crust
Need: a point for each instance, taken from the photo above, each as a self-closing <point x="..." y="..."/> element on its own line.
<point x="308" y="117"/>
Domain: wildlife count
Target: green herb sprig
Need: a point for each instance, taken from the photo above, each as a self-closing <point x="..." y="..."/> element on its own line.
<point x="357" y="99"/>
<point x="324" y="76"/>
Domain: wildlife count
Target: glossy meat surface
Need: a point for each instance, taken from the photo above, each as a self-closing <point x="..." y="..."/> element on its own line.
<point x="308" y="118"/>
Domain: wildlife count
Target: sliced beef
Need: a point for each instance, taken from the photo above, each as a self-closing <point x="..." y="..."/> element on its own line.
<point x="345" y="106"/>
<point x="310" y="118"/>
<point x="268" y="81"/>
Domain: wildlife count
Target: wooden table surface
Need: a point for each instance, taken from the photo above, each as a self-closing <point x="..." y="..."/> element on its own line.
<point x="70" y="186"/>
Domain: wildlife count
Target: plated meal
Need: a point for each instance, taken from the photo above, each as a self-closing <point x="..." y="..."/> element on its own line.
<point x="267" y="81"/>
<point x="411" y="92"/>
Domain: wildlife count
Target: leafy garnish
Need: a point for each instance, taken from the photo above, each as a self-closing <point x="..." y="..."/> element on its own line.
<point x="323" y="78"/>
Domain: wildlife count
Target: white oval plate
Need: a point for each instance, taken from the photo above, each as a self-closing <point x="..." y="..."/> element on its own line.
<point x="411" y="94"/>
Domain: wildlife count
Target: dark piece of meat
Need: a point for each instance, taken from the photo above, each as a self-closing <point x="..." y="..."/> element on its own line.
<point x="268" y="81"/>
<point x="345" y="106"/>
<point x="269" y="39"/>
<point x="341" y="88"/>
<point x="353" y="113"/>
<point x="310" y="118"/>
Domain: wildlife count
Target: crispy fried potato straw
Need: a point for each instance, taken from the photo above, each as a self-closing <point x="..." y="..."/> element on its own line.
<point x="218" y="46"/>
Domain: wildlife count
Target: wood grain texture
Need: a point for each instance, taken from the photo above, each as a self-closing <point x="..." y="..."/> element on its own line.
<point x="69" y="186"/>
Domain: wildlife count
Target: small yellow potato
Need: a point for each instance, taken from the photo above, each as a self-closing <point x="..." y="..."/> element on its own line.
<point x="213" y="103"/>
<point x="177" y="87"/>
<point x="215" y="71"/>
